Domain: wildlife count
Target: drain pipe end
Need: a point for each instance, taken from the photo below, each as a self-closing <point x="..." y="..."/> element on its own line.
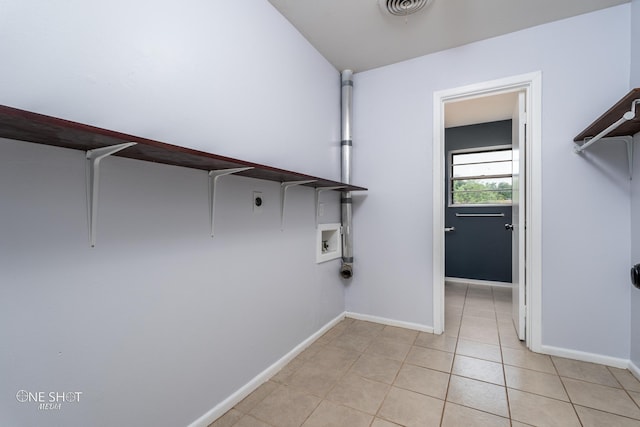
<point x="346" y="271"/>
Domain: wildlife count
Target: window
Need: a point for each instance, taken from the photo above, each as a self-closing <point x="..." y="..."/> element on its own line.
<point x="481" y="177"/>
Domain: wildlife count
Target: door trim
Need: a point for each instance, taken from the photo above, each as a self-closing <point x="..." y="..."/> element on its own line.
<point x="531" y="83"/>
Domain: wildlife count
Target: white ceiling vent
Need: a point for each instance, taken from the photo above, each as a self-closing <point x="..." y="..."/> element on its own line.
<point x="403" y="7"/>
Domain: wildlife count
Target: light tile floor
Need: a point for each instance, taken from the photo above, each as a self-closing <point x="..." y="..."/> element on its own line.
<point x="475" y="374"/>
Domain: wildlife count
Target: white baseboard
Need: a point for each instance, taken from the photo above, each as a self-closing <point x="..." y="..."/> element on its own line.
<point x="221" y="408"/>
<point x="463" y="281"/>
<point x="586" y="357"/>
<point x="633" y="368"/>
<point x="390" y="322"/>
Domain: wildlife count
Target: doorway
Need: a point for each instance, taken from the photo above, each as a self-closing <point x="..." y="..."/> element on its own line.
<point x="526" y="236"/>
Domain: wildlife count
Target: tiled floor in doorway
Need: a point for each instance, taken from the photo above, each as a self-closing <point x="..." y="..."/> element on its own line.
<point x="476" y="374"/>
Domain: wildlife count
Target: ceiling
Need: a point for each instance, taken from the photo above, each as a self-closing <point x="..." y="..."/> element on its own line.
<point x="356" y="35"/>
<point x="484" y="109"/>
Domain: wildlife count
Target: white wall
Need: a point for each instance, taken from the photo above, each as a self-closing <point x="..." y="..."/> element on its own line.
<point x="586" y="218"/>
<point x="202" y="75"/>
<point x="635" y="43"/>
<point x="635" y="188"/>
<point x="159" y="323"/>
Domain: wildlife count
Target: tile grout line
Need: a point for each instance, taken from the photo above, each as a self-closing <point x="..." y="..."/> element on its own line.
<point x="573" y="405"/>
<point x="402" y="363"/>
<point x="623" y="388"/>
<point x="455" y="350"/>
<point x="386" y="395"/>
<point x="504" y="374"/>
<point x="349" y="369"/>
<point x="607" y="412"/>
<point x="603" y="385"/>
<point x="324" y="397"/>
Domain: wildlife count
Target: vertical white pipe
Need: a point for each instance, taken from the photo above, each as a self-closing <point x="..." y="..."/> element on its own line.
<point x="346" y="271"/>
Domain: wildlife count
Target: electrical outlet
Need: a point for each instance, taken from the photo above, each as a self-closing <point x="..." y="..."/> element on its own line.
<point x="258" y="201"/>
<point x="320" y="209"/>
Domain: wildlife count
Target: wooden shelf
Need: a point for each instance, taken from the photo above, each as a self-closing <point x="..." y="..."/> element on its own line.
<point x="37" y="128"/>
<point x="98" y="143"/>
<point x="628" y="128"/>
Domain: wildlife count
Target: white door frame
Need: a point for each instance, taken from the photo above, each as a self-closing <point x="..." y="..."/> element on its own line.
<point x="531" y="83"/>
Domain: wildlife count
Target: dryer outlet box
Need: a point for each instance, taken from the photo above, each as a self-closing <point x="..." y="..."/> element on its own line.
<point x="258" y="202"/>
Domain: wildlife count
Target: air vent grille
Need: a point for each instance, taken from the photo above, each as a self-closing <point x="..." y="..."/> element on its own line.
<point x="404" y="7"/>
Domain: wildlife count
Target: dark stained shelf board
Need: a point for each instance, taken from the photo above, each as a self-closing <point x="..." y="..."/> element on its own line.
<point x="613" y="115"/>
<point x="41" y="129"/>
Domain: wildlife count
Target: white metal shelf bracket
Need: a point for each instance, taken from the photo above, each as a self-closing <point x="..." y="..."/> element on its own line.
<point x="320" y="190"/>
<point x="213" y="182"/>
<point x="284" y="186"/>
<point x="93" y="183"/>
<point x="628" y="140"/>
<point x="629" y="115"/>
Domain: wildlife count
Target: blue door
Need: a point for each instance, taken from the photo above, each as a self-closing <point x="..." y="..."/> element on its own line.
<point x="478" y="206"/>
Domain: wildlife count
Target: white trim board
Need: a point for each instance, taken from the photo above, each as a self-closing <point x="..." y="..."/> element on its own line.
<point x="615" y="362"/>
<point x="221" y="408"/>
<point x="531" y="83"/>
<point x="463" y="281"/>
<point x="390" y="322"/>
